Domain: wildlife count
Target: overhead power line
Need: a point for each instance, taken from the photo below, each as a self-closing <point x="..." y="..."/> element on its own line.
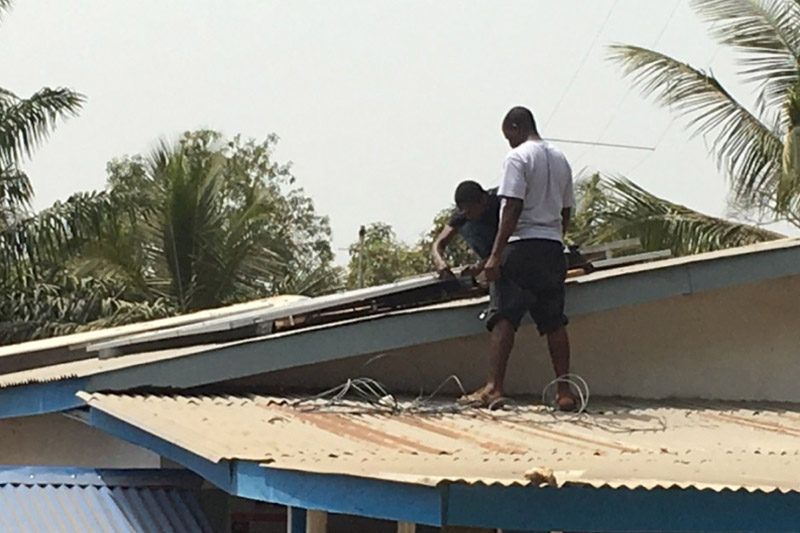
<point x="605" y="145"/>
<point x="582" y="63"/>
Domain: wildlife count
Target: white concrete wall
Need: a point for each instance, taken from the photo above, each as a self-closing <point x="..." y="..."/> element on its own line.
<point x="55" y="440"/>
<point x="739" y="343"/>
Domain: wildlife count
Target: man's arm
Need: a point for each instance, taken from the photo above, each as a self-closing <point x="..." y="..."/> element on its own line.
<point x="508" y="223"/>
<point x="441" y="242"/>
<point x="566" y="218"/>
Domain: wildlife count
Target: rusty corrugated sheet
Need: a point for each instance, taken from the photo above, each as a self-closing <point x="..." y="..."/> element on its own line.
<point x="705" y="445"/>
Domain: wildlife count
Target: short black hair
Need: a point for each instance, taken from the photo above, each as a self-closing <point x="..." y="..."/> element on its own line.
<point x="469" y="192"/>
<point x="522" y="117"/>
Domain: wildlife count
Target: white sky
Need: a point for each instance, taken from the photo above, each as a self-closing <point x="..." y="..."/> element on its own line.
<point x="382" y="106"/>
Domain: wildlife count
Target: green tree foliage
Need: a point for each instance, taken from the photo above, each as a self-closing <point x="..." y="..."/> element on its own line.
<point x="756" y="148"/>
<point x="383" y="258"/>
<point x="198" y="224"/>
<point x="612" y="209"/>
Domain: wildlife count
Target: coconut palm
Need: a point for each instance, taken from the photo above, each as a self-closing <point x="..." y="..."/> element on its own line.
<point x="758" y="149"/>
<point x="615" y="208"/>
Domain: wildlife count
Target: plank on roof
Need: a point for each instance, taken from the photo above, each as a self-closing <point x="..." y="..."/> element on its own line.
<point x="257" y="317"/>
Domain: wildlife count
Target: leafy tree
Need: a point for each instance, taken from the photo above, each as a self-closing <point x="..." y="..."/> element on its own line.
<point x="198" y="224"/>
<point x="215" y="221"/>
<point x="756" y="148"/>
<point x="385" y="259"/>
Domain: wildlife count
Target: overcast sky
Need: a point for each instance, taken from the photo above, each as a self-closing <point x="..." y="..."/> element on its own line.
<point x="382" y="106"/>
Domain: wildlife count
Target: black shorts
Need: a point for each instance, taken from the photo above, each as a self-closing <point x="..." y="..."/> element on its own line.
<point x="531" y="281"/>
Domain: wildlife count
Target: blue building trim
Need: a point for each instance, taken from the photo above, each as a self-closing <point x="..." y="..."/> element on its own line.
<point x="589" y="509"/>
<point x="41" y="398"/>
<point x="341" y="494"/>
<point x="514" y="508"/>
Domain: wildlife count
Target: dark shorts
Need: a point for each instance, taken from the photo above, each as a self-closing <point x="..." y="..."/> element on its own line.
<point x="531" y="281"/>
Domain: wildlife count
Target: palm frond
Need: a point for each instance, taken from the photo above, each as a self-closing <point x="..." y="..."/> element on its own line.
<point x="16" y="194"/>
<point x="632" y="211"/>
<point x="748" y="151"/>
<point x="25" y="123"/>
<point x="766" y="31"/>
<point x="5" y="6"/>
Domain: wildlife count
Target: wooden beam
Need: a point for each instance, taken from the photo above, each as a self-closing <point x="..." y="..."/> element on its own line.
<point x="316" y="522"/>
<point x="627" y="244"/>
<point x="406" y="527"/>
<point x="631" y="259"/>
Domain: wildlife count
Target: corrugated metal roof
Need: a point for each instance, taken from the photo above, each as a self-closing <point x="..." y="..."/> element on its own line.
<point x="34" y="506"/>
<point x="630" y="444"/>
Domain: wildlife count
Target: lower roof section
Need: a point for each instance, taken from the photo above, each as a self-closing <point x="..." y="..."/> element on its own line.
<point x="88" y="501"/>
<point x="631" y="444"/>
<point x="391" y="494"/>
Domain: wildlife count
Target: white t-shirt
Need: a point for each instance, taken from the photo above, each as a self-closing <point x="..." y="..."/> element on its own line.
<point x="538" y="173"/>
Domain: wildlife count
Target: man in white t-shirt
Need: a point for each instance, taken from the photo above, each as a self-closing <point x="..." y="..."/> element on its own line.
<point x="527" y="266"/>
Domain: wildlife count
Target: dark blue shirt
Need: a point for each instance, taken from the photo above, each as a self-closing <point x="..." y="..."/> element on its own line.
<point x="480" y="233"/>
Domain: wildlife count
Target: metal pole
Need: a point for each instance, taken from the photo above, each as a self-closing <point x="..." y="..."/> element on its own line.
<point x="361" y="233"/>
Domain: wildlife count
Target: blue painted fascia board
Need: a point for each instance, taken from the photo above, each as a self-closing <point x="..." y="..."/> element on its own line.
<point x="343" y="494"/>
<point x="622" y="510"/>
<point x="41" y="398"/>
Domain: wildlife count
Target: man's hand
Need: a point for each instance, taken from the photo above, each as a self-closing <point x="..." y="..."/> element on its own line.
<point x="492" y="268"/>
<point x="444" y="271"/>
<point x="475" y="270"/>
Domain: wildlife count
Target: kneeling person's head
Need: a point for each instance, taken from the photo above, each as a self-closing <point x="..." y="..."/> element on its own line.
<point x="471" y="200"/>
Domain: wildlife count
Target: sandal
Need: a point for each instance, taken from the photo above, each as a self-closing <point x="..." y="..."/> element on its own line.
<point x="481" y="400"/>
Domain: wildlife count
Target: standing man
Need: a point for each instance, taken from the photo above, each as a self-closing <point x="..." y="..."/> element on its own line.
<point x="527" y="267"/>
<point x="475" y="218"/>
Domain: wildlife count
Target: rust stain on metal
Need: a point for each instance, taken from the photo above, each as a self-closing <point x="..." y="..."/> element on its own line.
<point x="461" y="436"/>
<point x="566" y="437"/>
<point x="402" y="441"/>
<point x="766" y="426"/>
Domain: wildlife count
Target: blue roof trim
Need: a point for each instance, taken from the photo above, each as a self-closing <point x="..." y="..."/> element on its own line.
<point x="340" y="494"/>
<point x="98" y="477"/>
<point x="623" y="510"/>
<point x="521" y="508"/>
<point x="41" y="398"/>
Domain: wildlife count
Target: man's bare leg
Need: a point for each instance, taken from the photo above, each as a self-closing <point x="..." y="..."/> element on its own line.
<point x="558" y="344"/>
<point x="501" y="342"/>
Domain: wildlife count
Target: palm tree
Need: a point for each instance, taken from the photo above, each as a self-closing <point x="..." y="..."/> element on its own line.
<point x="24" y="124"/>
<point x="615" y="208"/>
<point x="757" y="149"/>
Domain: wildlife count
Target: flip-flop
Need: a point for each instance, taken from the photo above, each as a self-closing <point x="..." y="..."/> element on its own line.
<point x="568" y="407"/>
<point x="481" y="400"/>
